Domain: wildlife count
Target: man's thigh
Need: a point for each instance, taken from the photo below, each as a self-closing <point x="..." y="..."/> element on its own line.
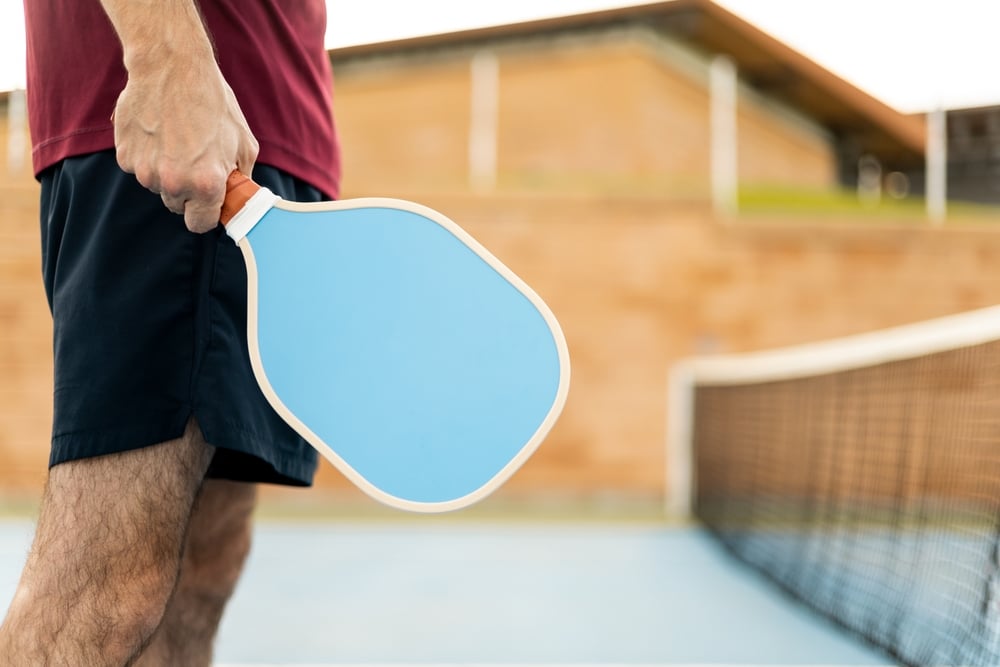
<point x="133" y="505"/>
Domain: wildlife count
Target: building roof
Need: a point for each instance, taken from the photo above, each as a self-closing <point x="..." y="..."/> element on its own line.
<point x="862" y="123"/>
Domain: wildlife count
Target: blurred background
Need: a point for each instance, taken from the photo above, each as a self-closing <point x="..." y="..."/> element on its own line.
<point x="674" y="178"/>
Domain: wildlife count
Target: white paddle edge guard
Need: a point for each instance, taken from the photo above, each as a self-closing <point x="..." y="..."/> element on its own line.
<point x="247" y="217"/>
<point x="908" y="341"/>
<point x="323" y="448"/>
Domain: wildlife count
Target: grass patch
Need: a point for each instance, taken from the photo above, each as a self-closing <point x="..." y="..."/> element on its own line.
<point x="841" y="203"/>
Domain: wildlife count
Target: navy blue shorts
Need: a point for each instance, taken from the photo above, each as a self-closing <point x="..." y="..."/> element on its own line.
<point x="150" y="327"/>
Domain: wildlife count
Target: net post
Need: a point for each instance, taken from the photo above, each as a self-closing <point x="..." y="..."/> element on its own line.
<point x="679" y="474"/>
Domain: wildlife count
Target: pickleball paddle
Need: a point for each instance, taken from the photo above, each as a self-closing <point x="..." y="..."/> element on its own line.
<point x="395" y="344"/>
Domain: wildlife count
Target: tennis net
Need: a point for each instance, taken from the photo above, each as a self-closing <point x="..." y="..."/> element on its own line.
<point x="862" y="476"/>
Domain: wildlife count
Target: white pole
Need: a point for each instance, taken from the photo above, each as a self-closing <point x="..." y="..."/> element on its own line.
<point x="937" y="166"/>
<point x="485" y="97"/>
<point x="723" y="128"/>
<point x="679" y="475"/>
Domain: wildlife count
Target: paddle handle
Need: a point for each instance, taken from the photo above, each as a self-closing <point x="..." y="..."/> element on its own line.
<point x="239" y="189"/>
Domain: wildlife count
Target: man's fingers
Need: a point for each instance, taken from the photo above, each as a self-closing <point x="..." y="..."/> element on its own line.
<point x="174" y="204"/>
<point x="194" y="190"/>
<point x="201" y="217"/>
<point x="196" y="196"/>
<point x="200" y="209"/>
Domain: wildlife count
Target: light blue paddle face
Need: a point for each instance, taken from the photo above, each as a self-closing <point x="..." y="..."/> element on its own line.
<point x="410" y="357"/>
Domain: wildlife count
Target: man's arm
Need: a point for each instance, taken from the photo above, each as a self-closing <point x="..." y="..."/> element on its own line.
<point x="178" y="126"/>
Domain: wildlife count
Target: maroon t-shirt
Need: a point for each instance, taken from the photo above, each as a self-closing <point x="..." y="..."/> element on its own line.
<point x="270" y="51"/>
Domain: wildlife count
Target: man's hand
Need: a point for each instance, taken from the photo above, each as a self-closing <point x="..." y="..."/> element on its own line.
<point x="178" y="126"/>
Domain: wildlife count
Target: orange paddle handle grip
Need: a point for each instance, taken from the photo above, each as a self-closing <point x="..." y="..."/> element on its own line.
<point x="239" y="189"/>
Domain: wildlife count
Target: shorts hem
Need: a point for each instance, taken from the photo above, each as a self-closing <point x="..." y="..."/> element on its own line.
<point x="85" y="444"/>
<point x="240" y="456"/>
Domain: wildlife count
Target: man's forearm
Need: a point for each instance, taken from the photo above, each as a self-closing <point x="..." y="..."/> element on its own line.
<point x="152" y="31"/>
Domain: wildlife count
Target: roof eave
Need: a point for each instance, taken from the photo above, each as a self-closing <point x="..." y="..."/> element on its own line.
<point x="764" y="62"/>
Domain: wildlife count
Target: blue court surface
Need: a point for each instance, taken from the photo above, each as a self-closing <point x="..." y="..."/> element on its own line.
<point x="463" y="592"/>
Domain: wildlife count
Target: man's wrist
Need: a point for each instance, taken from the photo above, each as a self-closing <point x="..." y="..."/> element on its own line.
<point x="143" y="58"/>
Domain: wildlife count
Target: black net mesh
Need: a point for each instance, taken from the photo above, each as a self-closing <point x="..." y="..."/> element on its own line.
<point x="873" y="495"/>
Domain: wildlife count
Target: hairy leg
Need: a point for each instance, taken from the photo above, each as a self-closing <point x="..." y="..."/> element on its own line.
<point x="105" y="556"/>
<point x="218" y="542"/>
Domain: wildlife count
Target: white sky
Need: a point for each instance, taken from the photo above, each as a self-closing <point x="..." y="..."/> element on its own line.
<point x="912" y="54"/>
